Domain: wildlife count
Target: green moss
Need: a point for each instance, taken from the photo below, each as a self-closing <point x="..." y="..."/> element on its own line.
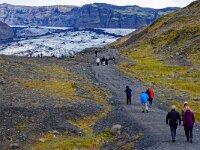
<point x="62" y="142"/>
<point x="2" y="60"/>
<point x="54" y="88"/>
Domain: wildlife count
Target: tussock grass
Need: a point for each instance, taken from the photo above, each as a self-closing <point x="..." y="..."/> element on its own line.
<point x="2" y="61"/>
<point x="67" y="143"/>
<point x="54" y="88"/>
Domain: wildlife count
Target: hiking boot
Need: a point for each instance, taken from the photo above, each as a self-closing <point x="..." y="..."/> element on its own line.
<point x="143" y="111"/>
<point x="187" y="140"/>
<point x="173" y="140"/>
<point x="191" y="141"/>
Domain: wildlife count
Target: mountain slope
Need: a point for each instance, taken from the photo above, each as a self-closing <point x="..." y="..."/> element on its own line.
<point x="5" y="31"/>
<point x="27" y="15"/>
<point x="166" y="54"/>
<point x="92" y="15"/>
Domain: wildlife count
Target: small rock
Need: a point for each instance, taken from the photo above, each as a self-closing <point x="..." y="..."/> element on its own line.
<point x="2" y="81"/>
<point x="196" y="98"/>
<point x="42" y="140"/>
<point x="78" y="144"/>
<point x="55" y="132"/>
<point x="14" y="146"/>
<point x="136" y="137"/>
<point x="116" y="129"/>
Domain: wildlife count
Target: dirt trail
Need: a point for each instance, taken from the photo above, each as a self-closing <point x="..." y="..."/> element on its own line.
<point x="156" y="132"/>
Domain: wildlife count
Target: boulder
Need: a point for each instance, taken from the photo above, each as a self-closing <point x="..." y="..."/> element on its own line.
<point x="6" y="32"/>
<point x="14" y="146"/>
<point x="116" y="129"/>
<point x="42" y="140"/>
<point x="2" y="81"/>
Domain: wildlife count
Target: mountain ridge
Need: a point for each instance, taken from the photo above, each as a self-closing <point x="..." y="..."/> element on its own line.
<point x="97" y="15"/>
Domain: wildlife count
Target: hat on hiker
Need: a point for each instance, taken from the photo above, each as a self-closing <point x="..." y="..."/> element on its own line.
<point x="185" y="103"/>
<point x="173" y="107"/>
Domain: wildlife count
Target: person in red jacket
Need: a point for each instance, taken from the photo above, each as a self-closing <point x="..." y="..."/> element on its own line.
<point x="151" y="95"/>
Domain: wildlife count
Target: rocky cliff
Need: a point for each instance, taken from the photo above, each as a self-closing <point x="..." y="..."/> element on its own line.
<point x="92" y="15"/>
<point x="5" y="31"/>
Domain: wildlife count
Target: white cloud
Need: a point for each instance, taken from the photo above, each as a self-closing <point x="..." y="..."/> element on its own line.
<point x="142" y="3"/>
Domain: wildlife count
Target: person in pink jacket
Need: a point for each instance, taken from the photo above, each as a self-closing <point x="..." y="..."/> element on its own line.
<point x="188" y="123"/>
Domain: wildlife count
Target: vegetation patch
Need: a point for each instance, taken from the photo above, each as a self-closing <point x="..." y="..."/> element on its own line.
<point x="54" y="88"/>
<point x="62" y="142"/>
<point x="2" y="61"/>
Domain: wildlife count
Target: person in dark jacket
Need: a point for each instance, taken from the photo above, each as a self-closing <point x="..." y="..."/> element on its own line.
<point x="173" y="118"/>
<point x="106" y="60"/>
<point x="95" y="53"/>
<point x="128" y="94"/>
<point x="188" y="123"/>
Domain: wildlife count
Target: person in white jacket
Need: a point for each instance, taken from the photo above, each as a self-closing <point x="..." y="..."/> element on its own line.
<point x="98" y="61"/>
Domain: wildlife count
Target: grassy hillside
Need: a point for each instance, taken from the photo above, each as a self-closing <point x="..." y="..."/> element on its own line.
<point x="165" y="55"/>
<point x="49" y="104"/>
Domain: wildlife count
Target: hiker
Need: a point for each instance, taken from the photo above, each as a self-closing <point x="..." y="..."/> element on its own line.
<point x="113" y="58"/>
<point x="150" y="93"/>
<point x="62" y="56"/>
<point x="128" y="95"/>
<point x="173" y="119"/>
<point x="106" y="60"/>
<point x="144" y="99"/>
<point x="41" y="55"/>
<point x="183" y="110"/>
<point x="103" y="61"/>
<point x="98" y="61"/>
<point x="188" y="123"/>
<point x="95" y="53"/>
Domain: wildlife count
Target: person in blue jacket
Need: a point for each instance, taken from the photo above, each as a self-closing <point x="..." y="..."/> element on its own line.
<point x="144" y="100"/>
<point x="128" y="92"/>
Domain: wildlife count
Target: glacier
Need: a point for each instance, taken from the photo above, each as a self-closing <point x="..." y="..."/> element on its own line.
<point x="56" y="41"/>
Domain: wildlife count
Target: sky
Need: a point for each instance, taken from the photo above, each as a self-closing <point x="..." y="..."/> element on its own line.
<point x="142" y="3"/>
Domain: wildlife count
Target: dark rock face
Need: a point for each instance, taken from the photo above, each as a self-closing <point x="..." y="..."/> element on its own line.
<point x="91" y="15"/>
<point x="5" y="31"/>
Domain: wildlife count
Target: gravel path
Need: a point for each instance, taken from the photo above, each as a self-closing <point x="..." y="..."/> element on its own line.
<point x="156" y="132"/>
